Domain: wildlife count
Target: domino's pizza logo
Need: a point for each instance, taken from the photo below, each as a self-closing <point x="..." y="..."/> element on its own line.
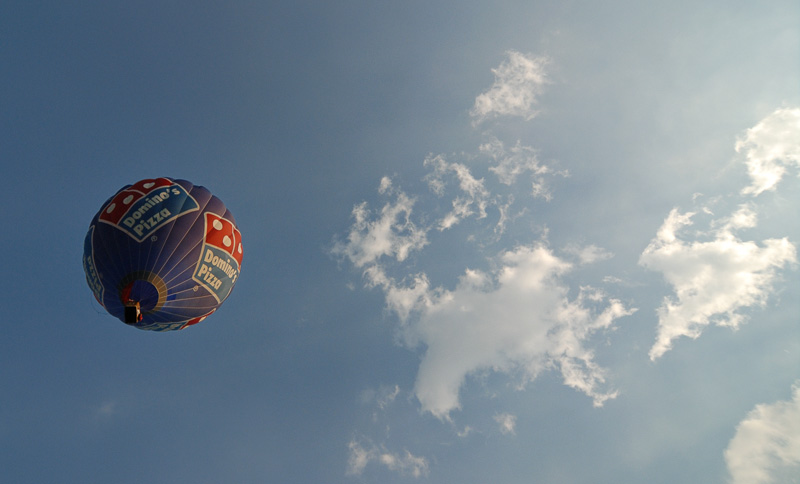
<point x="146" y="206"/>
<point x="221" y="257"/>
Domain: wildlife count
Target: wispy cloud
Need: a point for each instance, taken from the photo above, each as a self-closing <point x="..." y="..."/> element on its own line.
<point x="359" y="457"/>
<point x="766" y="446"/>
<point x="507" y="423"/>
<point x="713" y="280"/>
<point x="381" y="398"/>
<point x="770" y="147"/>
<point x="392" y="233"/>
<point x="588" y="254"/>
<point x="510" y="163"/>
<point x="386" y="396"/>
<point x="517" y="84"/>
<point x="365" y="453"/>
<point x="473" y="196"/>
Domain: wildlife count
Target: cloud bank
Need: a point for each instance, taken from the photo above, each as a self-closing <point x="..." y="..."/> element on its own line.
<point x="520" y="317"/>
<point x="766" y="447"/>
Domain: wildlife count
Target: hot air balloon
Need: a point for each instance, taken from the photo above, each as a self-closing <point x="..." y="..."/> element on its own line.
<point x="162" y="254"/>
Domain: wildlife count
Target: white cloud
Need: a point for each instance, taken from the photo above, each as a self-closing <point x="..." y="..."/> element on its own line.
<point x="519" y="318"/>
<point x="392" y="234"/>
<point x="713" y="280"/>
<point x="507" y="423"/>
<point x="518" y="82"/>
<point x="766" y="447"/>
<point x="405" y="463"/>
<point x="770" y="147"/>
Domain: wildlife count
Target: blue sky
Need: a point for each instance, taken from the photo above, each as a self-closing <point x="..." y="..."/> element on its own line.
<point x="550" y="242"/>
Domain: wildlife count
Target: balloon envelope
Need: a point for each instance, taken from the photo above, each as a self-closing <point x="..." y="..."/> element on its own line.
<point x="168" y="245"/>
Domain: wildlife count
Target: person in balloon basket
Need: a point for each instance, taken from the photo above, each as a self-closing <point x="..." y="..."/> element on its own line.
<point x="133" y="313"/>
